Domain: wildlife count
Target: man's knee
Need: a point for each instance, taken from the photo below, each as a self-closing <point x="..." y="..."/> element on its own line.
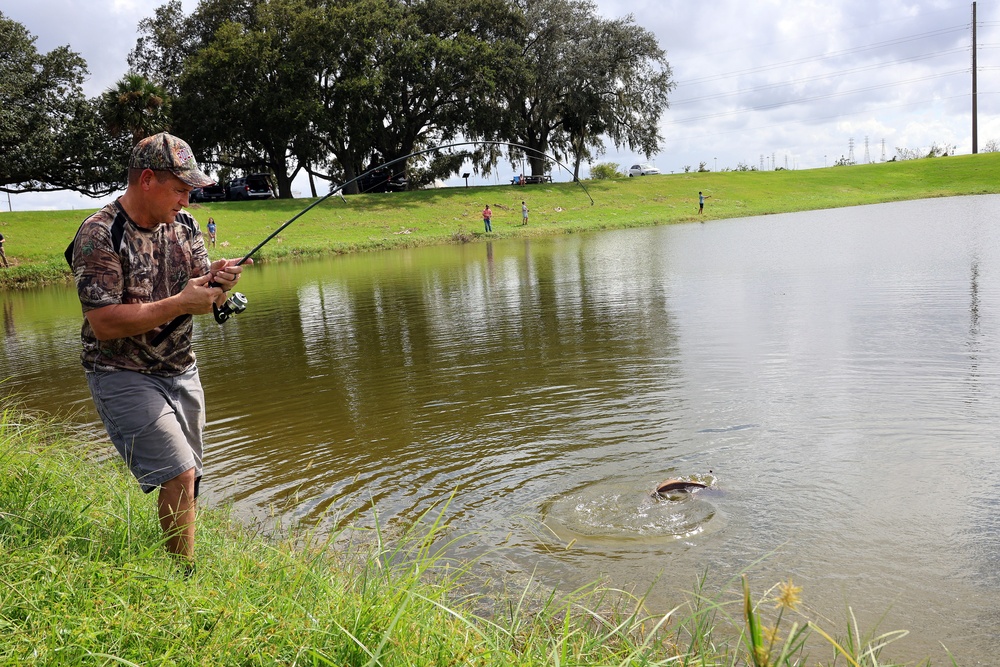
<point x="186" y="482"/>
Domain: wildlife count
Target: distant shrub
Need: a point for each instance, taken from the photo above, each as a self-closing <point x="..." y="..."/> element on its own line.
<point x="936" y="150"/>
<point x="992" y="146"/>
<point x="605" y="171"/>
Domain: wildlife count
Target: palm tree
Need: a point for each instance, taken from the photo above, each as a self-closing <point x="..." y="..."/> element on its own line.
<point x="136" y="106"/>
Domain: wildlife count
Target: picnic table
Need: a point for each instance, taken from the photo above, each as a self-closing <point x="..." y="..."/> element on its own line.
<point x="531" y="179"/>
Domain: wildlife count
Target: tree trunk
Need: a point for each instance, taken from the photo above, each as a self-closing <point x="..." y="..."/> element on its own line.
<point x="284" y="184"/>
<point x="537" y="163"/>
<point x="350" y="173"/>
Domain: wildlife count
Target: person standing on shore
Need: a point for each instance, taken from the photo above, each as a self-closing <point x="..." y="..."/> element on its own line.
<point x="701" y="202"/>
<point x="139" y="263"/>
<point x="211" y="230"/>
<point x="487" y="218"/>
<point x="524" y="213"/>
<point x="3" y="256"/>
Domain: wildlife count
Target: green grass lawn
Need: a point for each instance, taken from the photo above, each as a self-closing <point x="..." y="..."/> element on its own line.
<point x="36" y="239"/>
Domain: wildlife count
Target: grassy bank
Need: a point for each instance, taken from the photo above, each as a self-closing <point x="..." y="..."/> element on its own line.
<point x="36" y="239"/>
<point x="84" y="580"/>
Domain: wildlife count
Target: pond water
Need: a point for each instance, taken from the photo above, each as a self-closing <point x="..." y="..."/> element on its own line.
<point x="835" y="375"/>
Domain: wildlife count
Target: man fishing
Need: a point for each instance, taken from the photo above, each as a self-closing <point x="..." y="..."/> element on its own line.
<point x="140" y="263"/>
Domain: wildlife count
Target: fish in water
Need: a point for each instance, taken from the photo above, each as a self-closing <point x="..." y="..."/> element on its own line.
<point x="677" y="485"/>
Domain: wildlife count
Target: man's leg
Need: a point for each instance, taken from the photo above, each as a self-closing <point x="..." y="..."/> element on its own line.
<point x="177" y="508"/>
<point x="156" y="424"/>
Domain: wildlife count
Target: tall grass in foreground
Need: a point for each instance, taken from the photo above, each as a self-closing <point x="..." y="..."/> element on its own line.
<point x="84" y="580"/>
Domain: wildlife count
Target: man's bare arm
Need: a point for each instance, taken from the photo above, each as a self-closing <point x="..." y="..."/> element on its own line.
<point x="121" y="320"/>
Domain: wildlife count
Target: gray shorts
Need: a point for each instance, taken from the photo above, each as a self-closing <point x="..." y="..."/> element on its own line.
<point x="155" y="422"/>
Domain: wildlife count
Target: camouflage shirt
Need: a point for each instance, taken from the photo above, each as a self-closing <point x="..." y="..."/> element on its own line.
<point x="149" y="265"/>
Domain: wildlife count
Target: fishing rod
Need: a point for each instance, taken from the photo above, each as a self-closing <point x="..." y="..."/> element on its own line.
<point x="237" y="303"/>
<point x="340" y="187"/>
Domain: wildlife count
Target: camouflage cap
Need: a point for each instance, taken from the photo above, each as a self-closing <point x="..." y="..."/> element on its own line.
<point x="165" y="152"/>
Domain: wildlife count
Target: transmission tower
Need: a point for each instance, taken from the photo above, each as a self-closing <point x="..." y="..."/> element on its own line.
<point x="868" y="159"/>
<point x="850" y="151"/>
<point x="762" y="162"/>
<point x="883" y="150"/>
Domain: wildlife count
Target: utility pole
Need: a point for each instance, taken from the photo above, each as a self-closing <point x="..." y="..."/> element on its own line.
<point x="975" y="113"/>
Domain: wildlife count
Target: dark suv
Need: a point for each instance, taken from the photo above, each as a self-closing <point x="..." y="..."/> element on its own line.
<point x="382" y="180"/>
<point x="254" y="186"/>
<point x="208" y="193"/>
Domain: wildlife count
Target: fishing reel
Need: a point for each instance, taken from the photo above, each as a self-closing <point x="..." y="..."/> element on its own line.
<point x="234" y="305"/>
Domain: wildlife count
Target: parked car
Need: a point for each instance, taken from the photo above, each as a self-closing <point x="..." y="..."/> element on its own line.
<point x="254" y="186"/>
<point x="642" y="170"/>
<point x="207" y="193"/>
<point x="382" y="180"/>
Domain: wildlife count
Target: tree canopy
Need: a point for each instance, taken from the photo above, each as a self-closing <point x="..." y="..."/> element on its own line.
<point x="585" y="78"/>
<point x="50" y="135"/>
<point x="338" y="87"/>
<point x="404" y="77"/>
<point x="246" y="97"/>
<point x="135" y="107"/>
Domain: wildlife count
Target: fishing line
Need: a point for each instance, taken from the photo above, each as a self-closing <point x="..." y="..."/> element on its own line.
<point x="237" y="303"/>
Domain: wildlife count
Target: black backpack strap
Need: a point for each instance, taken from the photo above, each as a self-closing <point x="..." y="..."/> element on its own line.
<point x="69" y="251"/>
<point x="189" y="223"/>
<point x="118" y="233"/>
<point x="117" y="238"/>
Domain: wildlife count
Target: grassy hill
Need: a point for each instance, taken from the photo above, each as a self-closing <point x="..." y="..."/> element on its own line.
<point x="36" y="239"/>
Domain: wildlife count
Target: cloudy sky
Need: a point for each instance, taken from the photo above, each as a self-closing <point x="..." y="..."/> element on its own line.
<point x="765" y="83"/>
